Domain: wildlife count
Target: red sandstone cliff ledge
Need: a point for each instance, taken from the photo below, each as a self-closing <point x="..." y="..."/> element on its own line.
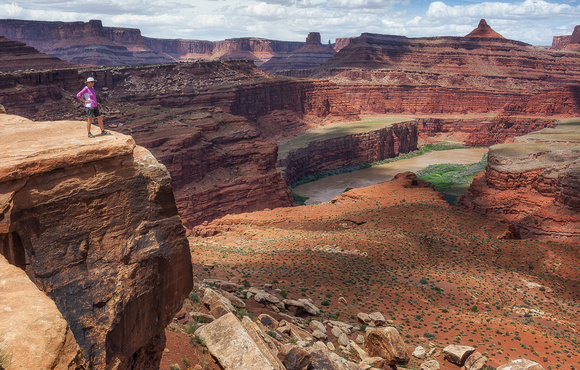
<point x="533" y="183"/>
<point x="94" y="224"/>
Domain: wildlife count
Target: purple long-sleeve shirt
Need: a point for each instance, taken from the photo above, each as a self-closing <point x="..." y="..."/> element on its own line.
<point x="89" y="96"/>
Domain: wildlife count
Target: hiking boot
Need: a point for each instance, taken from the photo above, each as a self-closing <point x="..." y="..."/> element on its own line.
<point x="91" y="135"/>
<point x="105" y="132"/>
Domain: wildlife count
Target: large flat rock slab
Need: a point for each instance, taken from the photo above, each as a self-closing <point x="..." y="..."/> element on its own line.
<point x="30" y="147"/>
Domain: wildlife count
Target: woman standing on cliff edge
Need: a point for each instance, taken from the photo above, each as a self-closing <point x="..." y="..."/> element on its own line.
<point x="89" y="98"/>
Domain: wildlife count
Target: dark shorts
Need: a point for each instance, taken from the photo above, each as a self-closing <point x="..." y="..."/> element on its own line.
<point x="93" y="112"/>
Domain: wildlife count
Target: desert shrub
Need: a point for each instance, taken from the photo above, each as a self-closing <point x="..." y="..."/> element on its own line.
<point x="424" y="281"/>
<point x="283" y="293"/>
<point x="194" y="297"/>
<point x="174" y="367"/>
<point x="299" y="199"/>
<point x="326" y="302"/>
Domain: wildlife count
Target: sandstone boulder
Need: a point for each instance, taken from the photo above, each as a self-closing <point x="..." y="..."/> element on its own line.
<point x="457" y="354"/>
<point x="264" y="342"/>
<point x="33" y="331"/>
<point x="317" y="325"/>
<point x="386" y="343"/>
<point x="521" y="364"/>
<point x="475" y="362"/>
<point x="378" y="319"/>
<point x="296" y="358"/>
<point x="343" y="340"/>
<point x="430" y="365"/>
<point x="232" y="346"/>
<point x="419" y="352"/>
<point x="304" y="305"/>
<point x="319" y="360"/>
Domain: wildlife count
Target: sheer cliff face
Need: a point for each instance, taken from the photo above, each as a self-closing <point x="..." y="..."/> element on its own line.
<point x="533" y="183"/>
<point x="213" y="124"/>
<point x="94" y="224"/>
<point x="381" y="73"/>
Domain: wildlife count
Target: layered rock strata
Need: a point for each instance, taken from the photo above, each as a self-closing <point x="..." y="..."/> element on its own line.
<point x="17" y="56"/>
<point x="309" y="56"/>
<point x="571" y="42"/>
<point x="484" y="131"/>
<point x="356" y="149"/>
<point x="533" y="183"/>
<point x="92" y="43"/>
<point x="388" y="74"/>
<point x="93" y="223"/>
<point x="213" y="124"/>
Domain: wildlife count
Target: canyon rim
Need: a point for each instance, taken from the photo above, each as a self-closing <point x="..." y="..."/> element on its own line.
<point x="108" y="230"/>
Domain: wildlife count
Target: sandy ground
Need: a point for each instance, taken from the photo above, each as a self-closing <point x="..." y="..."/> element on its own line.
<point x="441" y="274"/>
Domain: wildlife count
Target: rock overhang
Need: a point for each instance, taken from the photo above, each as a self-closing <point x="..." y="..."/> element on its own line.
<point x="30" y="147"/>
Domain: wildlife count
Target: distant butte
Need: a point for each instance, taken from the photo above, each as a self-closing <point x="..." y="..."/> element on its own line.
<point x="484" y="30"/>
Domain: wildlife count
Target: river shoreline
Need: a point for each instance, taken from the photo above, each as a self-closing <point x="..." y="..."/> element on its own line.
<point x="325" y="189"/>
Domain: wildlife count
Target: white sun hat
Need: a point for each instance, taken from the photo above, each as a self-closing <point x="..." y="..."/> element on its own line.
<point x="90" y="79"/>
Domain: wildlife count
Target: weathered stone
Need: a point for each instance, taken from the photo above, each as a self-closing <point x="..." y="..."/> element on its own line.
<point x="457" y="354"/>
<point x="317" y="325"/>
<point x="267" y="322"/>
<point x="212" y="298"/>
<point x="419" y="352"/>
<point x="109" y="246"/>
<point x="359" y="339"/>
<point x="343" y="340"/>
<point x="265" y="343"/>
<point x="320" y="360"/>
<point x="336" y="331"/>
<point x="319" y="335"/>
<point x="304" y="305"/>
<point x="521" y="364"/>
<point x="33" y="330"/>
<point x="330" y="346"/>
<point x="361" y="353"/>
<point x="297" y="359"/>
<point x="346" y="328"/>
<point x="377" y="318"/>
<point x="363" y="317"/>
<point x="342" y="300"/>
<point x="375" y="362"/>
<point x="475" y="362"/>
<point x="231" y="345"/>
<point x="228" y="286"/>
<point x="218" y="309"/>
<point x="235" y="301"/>
<point x="388" y="344"/>
<point x="297" y="332"/>
<point x="201" y="317"/>
<point x="430" y="365"/>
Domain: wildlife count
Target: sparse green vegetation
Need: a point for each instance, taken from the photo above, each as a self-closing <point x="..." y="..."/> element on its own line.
<point x="452" y="179"/>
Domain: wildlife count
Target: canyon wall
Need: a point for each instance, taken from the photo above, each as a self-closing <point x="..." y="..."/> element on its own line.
<point x="460" y="75"/>
<point x="91" y="43"/>
<point x="355" y="149"/>
<point x="93" y="223"/>
<point x="533" y="183"/>
<point x="213" y="124"/>
<point x="483" y="131"/>
<point x="17" y="56"/>
<point x="571" y="42"/>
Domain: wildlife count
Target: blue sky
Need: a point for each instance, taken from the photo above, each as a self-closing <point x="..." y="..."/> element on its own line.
<point x="531" y="21"/>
